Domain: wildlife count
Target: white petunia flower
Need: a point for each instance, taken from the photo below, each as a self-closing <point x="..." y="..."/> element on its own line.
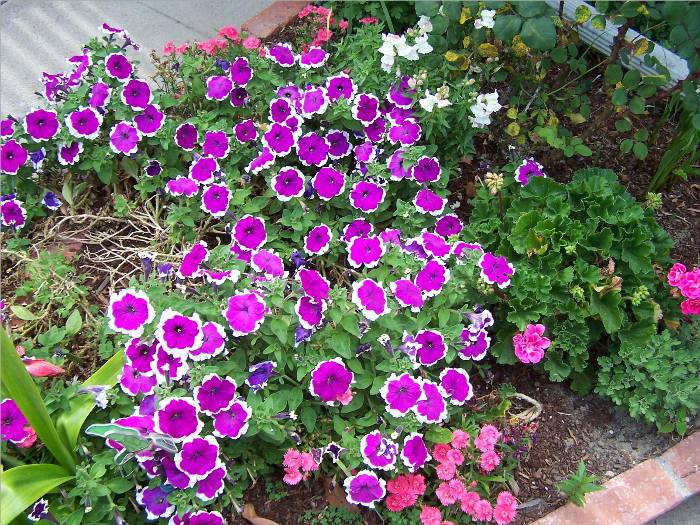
<point x="486" y="19"/>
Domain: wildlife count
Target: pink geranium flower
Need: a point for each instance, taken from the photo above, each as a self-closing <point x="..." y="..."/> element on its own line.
<point x="531" y="344"/>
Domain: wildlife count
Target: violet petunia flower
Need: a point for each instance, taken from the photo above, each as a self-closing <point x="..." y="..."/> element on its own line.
<point x="529" y="168"/>
<point x="260" y="374"/>
<point x="186" y="136"/>
<point x="366" y="108"/>
<point x="268" y="263"/>
<point x="232" y="423"/>
<point x="328" y="183"/>
<point x="129" y="311"/>
<point x="177" y="417"/>
<point x="340" y="86"/>
<point x="425" y="170"/>
<point x="378" y="452"/>
<point x="250" y="232"/>
<point x="241" y="72"/>
<point x="431" y="347"/>
<point x="367" y="196"/>
<point x="496" y="270"/>
<point x="12" y="213"/>
<point x="407" y="294"/>
<point x="177" y="333"/>
<point x="401" y="393"/>
<point x="310" y="312"/>
<point x="124" y="138"/>
<point x="314" y="284"/>
<point x="312" y="150"/>
<point x="370" y="298"/>
<point x="213" y="342"/>
<point x="431" y="408"/>
<point x="181" y="186"/>
<point x="117" y="66"/>
<point x="155" y="501"/>
<point x="69" y="154"/>
<point x="216" y="199"/>
<point x="339" y="145"/>
<point x="414" y="453"/>
<point x="281" y="54"/>
<point x="427" y="201"/>
<point x="14" y="426"/>
<point x="314" y="57"/>
<point x="136" y="94"/>
<point x="432" y="278"/>
<point x="215" y="394"/>
<point x="318" y="240"/>
<point x="245" y="312"/>
<point x="216" y="144"/>
<point x="455" y="384"/>
<point x="198" y="457"/>
<point x="41" y="124"/>
<point x="288" y="184"/>
<point x="218" y="87"/>
<point x="51" y="201"/>
<point x="365" y="488"/>
<point x="150" y="120"/>
<point x="330" y="380"/>
<point x="84" y="123"/>
<point x="365" y="251"/>
<point x="245" y="131"/>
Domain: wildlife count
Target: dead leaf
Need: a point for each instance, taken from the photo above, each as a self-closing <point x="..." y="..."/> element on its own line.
<point x="250" y="515"/>
<point x="335" y="495"/>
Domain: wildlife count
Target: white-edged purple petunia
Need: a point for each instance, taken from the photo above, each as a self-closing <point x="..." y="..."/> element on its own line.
<point x="249" y="232"/>
<point x="340" y="86"/>
<point x="281" y="54"/>
<point x="69" y="154"/>
<point x="216" y="199"/>
<point x="118" y="67"/>
<point x="427" y="201"/>
<point x="215" y="393"/>
<point x="339" y="145"/>
<point x="155" y="501"/>
<point x="198" y="456"/>
<point x="186" y="136"/>
<point x="401" y="393"/>
<point x="407" y="133"/>
<point x="314" y="101"/>
<point x="213" y="342"/>
<point x="318" y="240"/>
<point x="425" y="170"/>
<point x="367" y="196"/>
<point x="448" y="225"/>
<point x="431" y="347"/>
<point x="216" y="144"/>
<point x="136" y="94"/>
<point x="328" y="183"/>
<point x="314" y="284"/>
<point x="366" y="251"/>
<point x="177" y="417"/>
<point x="232" y="423"/>
<point x="180" y="186"/>
<point x="476" y="345"/>
<point x="202" y="169"/>
<point x="309" y="311"/>
<point x="240" y="71"/>
<point x="432" y="407"/>
<point x="407" y="294"/>
<point x="330" y="380"/>
<point x="378" y="452"/>
<point x="213" y="484"/>
<point x="455" y="384"/>
<point x="313" y="57"/>
<point x="269" y="263"/>
<point x="279" y="139"/>
<point x="312" y="150"/>
<point x="414" y="453"/>
<point x="245" y="312"/>
<point x="129" y="311"/>
<point x="529" y="168"/>
<point x="218" y="87"/>
<point x="12" y="156"/>
<point x="245" y="131"/>
<point x="178" y="333"/>
<point x="134" y="382"/>
<point x="496" y="270"/>
<point x="84" y="123"/>
<point x="124" y="138"/>
<point x="365" y="108"/>
<point x="357" y="228"/>
<point x="370" y="298"/>
<point x="435" y="245"/>
<point x="150" y="120"/>
<point x="364" y="488"/>
<point x="432" y="278"/>
<point x="41" y="124"/>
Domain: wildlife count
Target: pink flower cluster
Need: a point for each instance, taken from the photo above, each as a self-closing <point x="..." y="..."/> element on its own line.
<point x="449" y="457"/>
<point x="531" y="344"/>
<point x="322" y="20"/>
<point x="404" y="491"/>
<point x="688" y="284"/>
<point x="485" y="442"/>
<point x="297" y="466"/>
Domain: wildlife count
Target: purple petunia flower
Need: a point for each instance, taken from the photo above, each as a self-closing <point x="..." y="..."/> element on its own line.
<point x="378" y="452"/>
<point x="215" y="394"/>
<point x="376" y="130"/>
<point x="279" y="139"/>
<point x="414" y="453"/>
<point x="40" y="511"/>
<point x="366" y="251"/>
<point x="496" y="270"/>
<point x="177" y="417"/>
<point x="407" y="133"/>
<point x="213" y="485"/>
<point x="314" y="284"/>
<point x="213" y="342"/>
<point x="218" y="87"/>
<point x="365" y="152"/>
<point x="314" y="101"/>
<point x="357" y="228"/>
<point x="330" y="380"/>
<point x="7" y="127"/>
<point x="401" y="393"/>
<point x="203" y="168"/>
<point x="242" y="254"/>
<point x="186" y="136"/>
<point x="370" y="298"/>
<point x="12" y="213"/>
<point x="250" y="232"/>
<point x="309" y="311"/>
<point x="260" y="374"/>
<point x="475" y="344"/>
<point x="51" y="201"/>
<point x="391" y="236"/>
<point x="15" y="427"/>
<point x="425" y="170"/>
<point x="432" y="278"/>
<point x="334" y="451"/>
<point x="215" y="200"/>
<point x="177" y="333"/>
<point x="181" y="186"/>
<point x="268" y="263"/>
<point x="395" y="165"/>
<point x="241" y="72"/>
<point x="366" y="108"/>
<point x="290" y="91"/>
<point x="314" y="57"/>
<point x="338" y="144"/>
<point x="134" y="382"/>
<point x="435" y="245"/>
<point x="529" y="168"/>
<point x="155" y="501"/>
<point x="312" y="150"/>
<point x="407" y="294"/>
<point x="37" y="157"/>
<point x="233" y="422"/>
<point x="69" y="154"/>
<point x="204" y="518"/>
<point x="192" y="261"/>
<point x="198" y="457"/>
<point x="170" y="367"/>
<point x="136" y="94"/>
<point x="150" y="120"/>
<point x="216" y="144"/>
<point x="318" y="240"/>
<point x="280" y="110"/>
<point x="124" y="138"/>
<point x="455" y="384"/>
<point x="118" y="67"/>
<point x="41" y="124"/>
<point x="400" y="93"/>
<point x="245" y="312"/>
<point x="100" y="93"/>
<point x="427" y="201"/>
<point x="281" y="54"/>
<point x="263" y="161"/>
<point x="140" y="355"/>
<point x="239" y="96"/>
<point x="328" y="183"/>
<point x="364" y="488"/>
<point x="173" y="475"/>
<point x="366" y="196"/>
<point x="448" y="225"/>
<point x="12" y="156"/>
<point x="288" y="184"/>
<point x="431" y="347"/>
<point x="340" y="86"/>
<point x="245" y="131"/>
<point x="432" y="407"/>
<point x="84" y="123"/>
<point x="129" y="311"/>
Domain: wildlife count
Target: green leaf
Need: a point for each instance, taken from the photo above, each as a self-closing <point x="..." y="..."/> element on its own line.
<point x="74" y="322"/>
<point x="340" y="344"/>
<point x="119" y="485"/>
<point x="453" y="10"/>
<point x="506" y="27"/>
<point x="530" y="9"/>
<point x="308" y="418"/>
<point x="613" y="74"/>
<point x="539" y="33"/>
<point x="20" y="386"/>
<point x="608" y="308"/>
<point x="279" y="327"/>
<point x="349" y="323"/>
<point x="427" y="8"/>
<point x="22" y="486"/>
<point x="631" y="79"/>
<point x="640" y="150"/>
<point x="438" y="435"/>
<point x="619" y="97"/>
<point x="23" y="313"/>
<point x="623" y="125"/>
<point x="637" y="105"/>
<point x="69" y="423"/>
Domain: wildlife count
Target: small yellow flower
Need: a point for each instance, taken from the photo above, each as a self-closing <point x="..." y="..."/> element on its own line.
<point x="464" y="15"/>
<point x="488" y="50"/>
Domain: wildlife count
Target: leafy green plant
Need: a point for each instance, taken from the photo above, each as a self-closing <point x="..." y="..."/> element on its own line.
<point x="659" y="381"/>
<point x="332" y="516"/>
<point x="578" y="484"/>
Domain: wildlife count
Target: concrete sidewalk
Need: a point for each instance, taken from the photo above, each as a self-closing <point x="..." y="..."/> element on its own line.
<point x="38" y="35"/>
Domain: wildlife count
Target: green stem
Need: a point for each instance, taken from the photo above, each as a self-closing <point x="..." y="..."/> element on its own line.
<point x="388" y="16"/>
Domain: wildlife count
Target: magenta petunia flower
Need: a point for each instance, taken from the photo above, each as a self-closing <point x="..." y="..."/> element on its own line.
<point x="118" y="67"/>
<point x="13" y="213"/>
<point x="427" y="201"/>
<point x="288" y="184"/>
<point x="173" y="475"/>
<point x="213" y="342"/>
<point x="215" y="200"/>
<point x="202" y="169"/>
<point x="496" y="270"/>
<point x="425" y="170"/>
<point x="407" y="133"/>
<point x="150" y="120"/>
<point x="314" y="284"/>
<point x="250" y="232"/>
<point x="263" y="161"/>
<point x="366" y="196"/>
<point x="241" y="72"/>
<point x="124" y="138"/>
<point x="314" y="101"/>
<point x="177" y="333"/>
<point x="181" y="186"/>
<point x="134" y="382"/>
<point x="268" y="263"/>
<point x="312" y="150"/>
<point x="432" y="407"/>
<point x="328" y="183"/>
<point x="365" y="153"/>
<point x="378" y="452"/>
<point x="7" y="127"/>
<point x="129" y="311"/>
<point x="192" y="261"/>
<point x="204" y="518"/>
<point x="216" y="144"/>
<point x="186" y="136"/>
<point x="400" y="93"/>
<point x="84" y="123"/>
<point x="169" y="367"/>
<point x="219" y="277"/>
<point x="431" y="347"/>
<point x="100" y="93"/>
<point x="338" y="144"/>
<point x="357" y="228"/>
<point x="241" y="253"/>
<point x="245" y="131"/>
<point x="370" y="298"/>
<point x="366" y="108"/>
<point x="449" y="225"/>
<point x="340" y="86"/>
<point x="140" y="355"/>
<point x="330" y="380"/>
<point x="177" y="418"/>
<point x="155" y="501"/>
<point x="198" y="457"/>
<point x="15" y="427"/>
<point x="401" y="393"/>
<point x="245" y="312"/>
<point x="279" y="139"/>
<point x="309" y="311"/>
<point x="318" y="240"/>
<point x="395" y="165"/>
<point x="475" y="345"/>
<point x="218" y="87"/>
<point x="313" y="57"/>
<point x="376" y="130"/>
<point x="239" y="97"/>
<point x="529" y="168"/>
<point x="366" y="251"/>
<point x="136" y="94"/>
<point x="69" y="154"/>
<point x="432" y="278"/>
<point x="41" y="124"/>
<point x="281" y="54"/>
<point x="212" y="486"/>
<point x="280" y="110"/>
<point x="455" y="384"/>
<point x="364" y="488"/>
<point x="414" y="453"/>
<point x="391" y="236"/>
<point x="407" y="294"/>
<point x="233" y="422"/>
<point x="12" y="156"/>
<point x="435" y="245"/>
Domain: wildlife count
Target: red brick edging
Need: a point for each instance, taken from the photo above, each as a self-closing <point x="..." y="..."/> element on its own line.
<point x="273" y="17"/>
<point x="640" y="494"/>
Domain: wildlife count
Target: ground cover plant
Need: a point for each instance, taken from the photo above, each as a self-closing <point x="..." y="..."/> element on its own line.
<point x="319" y="307"/>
